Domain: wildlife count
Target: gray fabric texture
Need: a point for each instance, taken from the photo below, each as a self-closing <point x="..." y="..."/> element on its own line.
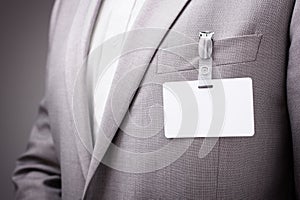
<point x="254" y="38"/>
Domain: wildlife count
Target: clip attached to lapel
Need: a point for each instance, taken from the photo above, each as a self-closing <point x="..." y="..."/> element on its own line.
<point x="205" y="49"/>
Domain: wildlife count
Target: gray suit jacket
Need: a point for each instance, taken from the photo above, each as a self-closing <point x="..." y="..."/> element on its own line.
<point x="253" y="38"/>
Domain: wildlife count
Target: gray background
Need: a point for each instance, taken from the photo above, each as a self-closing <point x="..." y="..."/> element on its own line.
<point x="23" y="48"/>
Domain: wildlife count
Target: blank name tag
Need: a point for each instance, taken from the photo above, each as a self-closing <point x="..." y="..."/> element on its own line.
<point x="213" y="108"/>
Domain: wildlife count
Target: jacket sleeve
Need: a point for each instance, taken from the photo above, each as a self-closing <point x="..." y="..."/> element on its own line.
<point x="37" y="174"/>
<point x="293" y="90"/>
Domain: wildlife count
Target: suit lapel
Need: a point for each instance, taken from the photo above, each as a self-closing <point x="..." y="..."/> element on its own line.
<point x="76" y="55"/>
<point x="139" y="49"/>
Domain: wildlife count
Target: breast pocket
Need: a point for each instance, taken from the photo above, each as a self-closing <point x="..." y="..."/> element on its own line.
<point x="227" y="51"/>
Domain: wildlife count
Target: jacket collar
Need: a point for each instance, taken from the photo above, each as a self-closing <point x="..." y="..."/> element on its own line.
<point x="160" y="14"/>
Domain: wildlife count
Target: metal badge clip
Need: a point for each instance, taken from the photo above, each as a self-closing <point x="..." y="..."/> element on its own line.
<point x="205" y="53"/>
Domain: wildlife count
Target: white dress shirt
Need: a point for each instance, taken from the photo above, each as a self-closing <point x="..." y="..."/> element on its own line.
<point x="116" y="17"/>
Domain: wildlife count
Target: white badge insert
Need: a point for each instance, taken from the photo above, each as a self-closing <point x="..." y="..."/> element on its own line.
<point x="206" y="107"/>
